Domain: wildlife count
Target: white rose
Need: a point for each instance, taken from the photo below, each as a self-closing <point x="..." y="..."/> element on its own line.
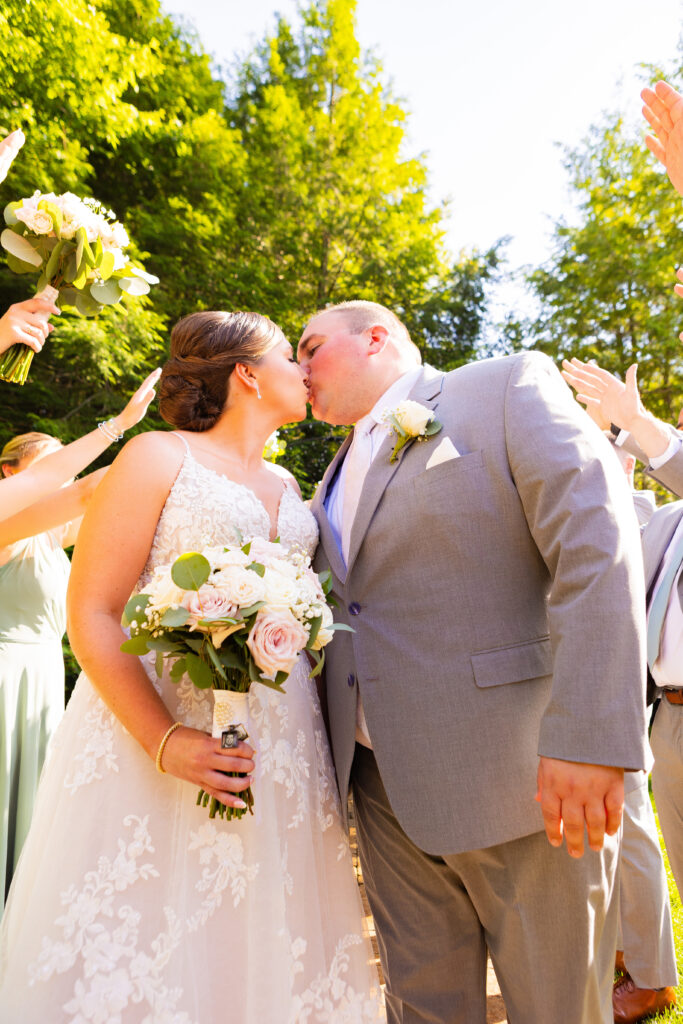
<point x="37" y="221"/>
<point x="243" y="586"/>
<point x="309" y="585"/>
<point x="275" y="641"/>
<point x="264" y="551"/>
<point x="281" y="591"/>
<point x="412" y="417"/>
<point x="164" y="592"/>
<point x="285" y="568"/>
<point x="120" y="235"/>
<point x="233" y="556"/>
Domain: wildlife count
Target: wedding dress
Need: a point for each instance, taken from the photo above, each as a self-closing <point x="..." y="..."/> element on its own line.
<point x="131" y="906"/>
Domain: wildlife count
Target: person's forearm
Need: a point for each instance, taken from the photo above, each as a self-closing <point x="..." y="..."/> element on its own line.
<point x="650" y="434"/>
<point x="56" y="509"/>
<point x="50" y="473"/>
<point x="119" y="678"/>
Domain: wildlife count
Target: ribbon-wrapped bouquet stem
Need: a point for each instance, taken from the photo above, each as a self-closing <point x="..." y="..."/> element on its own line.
<point x="76" y="246"/>
<point x="228" y="617"/>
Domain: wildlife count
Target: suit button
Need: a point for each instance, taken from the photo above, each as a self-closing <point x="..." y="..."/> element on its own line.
<point x="354" y="608"/>
<point x="351" y="680"/>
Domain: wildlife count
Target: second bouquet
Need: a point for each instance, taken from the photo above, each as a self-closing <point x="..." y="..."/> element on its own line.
<point x="229" y="617"/>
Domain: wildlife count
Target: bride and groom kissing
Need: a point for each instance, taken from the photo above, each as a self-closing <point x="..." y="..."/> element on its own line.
<point x="481" y="586"/>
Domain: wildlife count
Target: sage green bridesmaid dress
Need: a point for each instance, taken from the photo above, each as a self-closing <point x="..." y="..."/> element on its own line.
<point x="32" y="622"/>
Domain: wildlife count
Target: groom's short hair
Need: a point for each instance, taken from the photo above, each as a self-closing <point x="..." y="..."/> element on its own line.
<point x="359" y="314"/>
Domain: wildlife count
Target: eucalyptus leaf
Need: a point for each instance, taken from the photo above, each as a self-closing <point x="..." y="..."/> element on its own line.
<point x="210" y="650"/>
<point x="86" y="305"/>
<point x="159" y="664"/>
<point x="53" y="262"/>
<point x="433" y="427"/>
<point x="319" y="664"/>
<point x="20" y="247"/>
<point x="231" y="659"/>
<point x="252" y="609"/>
<point x="341" y="627"/>
<point x="163" y="643"/>
<point x="259" y="569"/>
<point x="178" y="670"/>
<point x="135" y="645"/>
<point x="106" y="265"/>
<point x="175" y="617"/>
<point x="198" y="671"/>
<point x="9" y="214"/>
<point x="139" y="272"/>
<point x="19" y="266"/>
<point x="135" y="609"/>
<point x="190" y="571"/>
<point x="106" y="292"/>
<point x="133" y="286"/>
<point x="315" y="629"/>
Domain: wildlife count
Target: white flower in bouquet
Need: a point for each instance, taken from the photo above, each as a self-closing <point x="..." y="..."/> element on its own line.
<point x="243" y="586"/>
<point x="76" y="246"/>
<point x="280" y="591"/>
<point x="276" y="640"/>
<point x="230" y="557"/>
<point x="164" y="593"/>
<point x="265" y="551"/>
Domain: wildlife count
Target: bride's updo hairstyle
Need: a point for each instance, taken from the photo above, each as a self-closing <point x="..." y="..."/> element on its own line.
<point x="205" y="348"/>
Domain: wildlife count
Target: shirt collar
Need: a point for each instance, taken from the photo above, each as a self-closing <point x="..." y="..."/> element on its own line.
<point x="395" y="393"/>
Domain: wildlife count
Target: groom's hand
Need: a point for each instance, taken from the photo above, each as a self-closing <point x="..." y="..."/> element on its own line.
<point x="573" y="795"/>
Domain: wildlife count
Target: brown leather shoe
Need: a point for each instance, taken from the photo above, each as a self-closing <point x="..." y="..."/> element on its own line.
<point x="619" y="964"/>
<point x="631" y="1004"/>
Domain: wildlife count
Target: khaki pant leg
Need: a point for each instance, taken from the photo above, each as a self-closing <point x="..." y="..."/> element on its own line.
<point x="430" y="940"/>
<point x="666" y="740"/>
<point x="550" y="923"/>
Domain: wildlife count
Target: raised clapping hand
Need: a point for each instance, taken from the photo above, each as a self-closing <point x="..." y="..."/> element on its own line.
<point x="195" y="757"/>
<point x="663" y="111"/>
<point x="9" y="147"/>
<point x="136" y="408"/>
<point x="574" y="795"/>
<point x="607" y="399"/>
<point x="21" y="323"/>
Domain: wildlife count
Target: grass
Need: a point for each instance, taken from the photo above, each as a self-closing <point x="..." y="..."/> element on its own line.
<point x="676" y="1014"/>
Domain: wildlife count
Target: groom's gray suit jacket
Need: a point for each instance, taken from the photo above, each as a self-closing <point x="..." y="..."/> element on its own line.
<point x="498" y="607"/>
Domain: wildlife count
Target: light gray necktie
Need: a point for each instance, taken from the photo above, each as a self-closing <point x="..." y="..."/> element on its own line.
<point x="657" y="610"/>
<point x="357" y="464"/>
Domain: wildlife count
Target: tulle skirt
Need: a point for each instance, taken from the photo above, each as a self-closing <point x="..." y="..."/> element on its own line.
<point x="131" y="906"/>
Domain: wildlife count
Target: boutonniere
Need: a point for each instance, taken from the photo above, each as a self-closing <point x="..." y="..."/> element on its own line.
<point x="411" y="422"/>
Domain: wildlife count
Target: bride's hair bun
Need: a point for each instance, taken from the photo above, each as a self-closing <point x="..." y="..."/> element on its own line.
<point x="205" y="348"/>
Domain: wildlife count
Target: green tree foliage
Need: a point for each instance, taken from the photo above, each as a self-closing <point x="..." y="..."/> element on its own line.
<point x="282" y="191"/>
<point x="606" y="292"/>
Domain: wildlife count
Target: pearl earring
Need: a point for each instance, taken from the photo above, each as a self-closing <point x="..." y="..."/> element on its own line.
<point x="258" y="393"/>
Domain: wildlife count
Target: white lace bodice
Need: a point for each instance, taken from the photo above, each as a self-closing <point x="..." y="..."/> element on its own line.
<point x="206" y="508"/>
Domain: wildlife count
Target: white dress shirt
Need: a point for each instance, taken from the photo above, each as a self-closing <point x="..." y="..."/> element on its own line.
<point x="668" y="668"/>
<point x="673" y="446"/>
<point x="334" y="499"/>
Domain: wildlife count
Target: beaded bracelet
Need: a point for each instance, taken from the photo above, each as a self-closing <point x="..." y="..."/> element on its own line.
<point x="109" y="431"/>
<point x="160" y="751"/>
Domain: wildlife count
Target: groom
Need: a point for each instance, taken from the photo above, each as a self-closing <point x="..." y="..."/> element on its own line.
<point x="493" y="579"/>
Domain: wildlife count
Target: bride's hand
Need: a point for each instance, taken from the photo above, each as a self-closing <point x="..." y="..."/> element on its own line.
<point x="138" y="405"/>
<point x="196" y="757"/>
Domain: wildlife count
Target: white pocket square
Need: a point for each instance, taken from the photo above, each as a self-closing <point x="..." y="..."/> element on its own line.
<point x="444" y="452"/>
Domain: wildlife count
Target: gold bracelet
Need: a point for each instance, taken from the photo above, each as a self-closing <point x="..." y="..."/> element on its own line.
<point x="160" y="751"/>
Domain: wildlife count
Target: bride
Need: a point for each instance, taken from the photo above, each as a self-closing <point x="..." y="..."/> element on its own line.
<point x="130" y="905"/>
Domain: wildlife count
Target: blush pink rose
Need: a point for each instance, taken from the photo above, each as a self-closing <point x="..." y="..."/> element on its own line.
<point x="276" y="640"/>
<point x="209" y="603"/>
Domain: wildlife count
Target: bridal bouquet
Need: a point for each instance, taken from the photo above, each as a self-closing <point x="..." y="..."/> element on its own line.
<point x="229" y="617"/>
<point x="77" y="248"/>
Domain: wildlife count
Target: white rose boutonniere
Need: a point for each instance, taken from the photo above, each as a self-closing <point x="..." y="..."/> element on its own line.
<point x="411" y="421"/>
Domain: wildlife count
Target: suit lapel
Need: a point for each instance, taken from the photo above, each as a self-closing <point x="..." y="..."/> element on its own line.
<point x="318" y="509"/>
<point x="426" y="391"/>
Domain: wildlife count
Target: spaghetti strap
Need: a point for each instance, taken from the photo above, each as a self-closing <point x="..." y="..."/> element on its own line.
<point x="187" y="447"/>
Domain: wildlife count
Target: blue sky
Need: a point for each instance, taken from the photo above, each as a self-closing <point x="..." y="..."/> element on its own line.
<point x="492" y="89"/>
